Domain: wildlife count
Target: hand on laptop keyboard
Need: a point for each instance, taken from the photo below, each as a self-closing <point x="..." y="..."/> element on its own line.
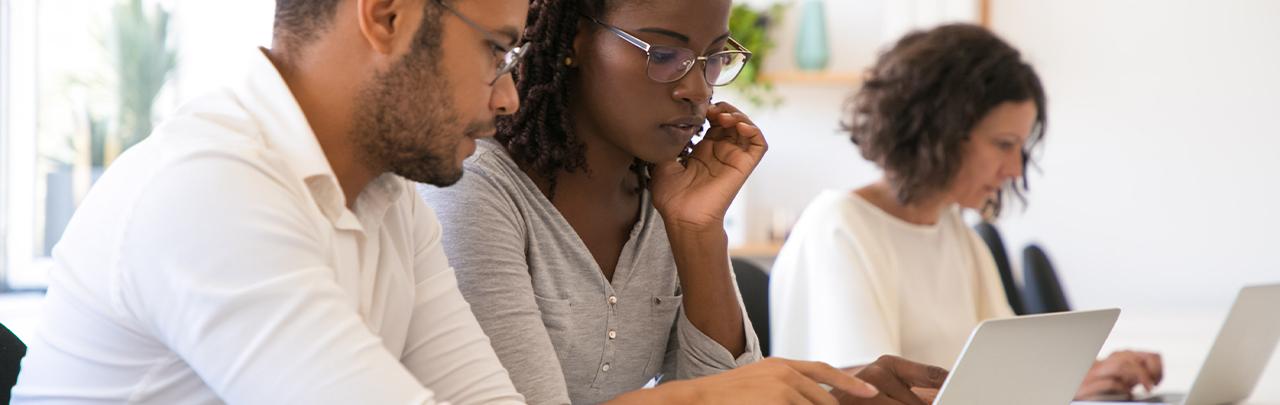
<point x="1116" y="376"/>
<point x="900" y="381"/>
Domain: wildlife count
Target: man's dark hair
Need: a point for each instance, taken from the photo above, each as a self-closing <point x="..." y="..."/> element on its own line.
<point x="298" y="22"/>
<point x="924" y="96"/>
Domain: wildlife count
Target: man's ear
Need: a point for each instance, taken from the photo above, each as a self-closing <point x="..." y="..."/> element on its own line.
<point x="383" y="21"/>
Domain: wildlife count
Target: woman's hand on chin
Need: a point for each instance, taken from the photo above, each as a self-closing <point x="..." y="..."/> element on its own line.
<point x="695" y="192"/>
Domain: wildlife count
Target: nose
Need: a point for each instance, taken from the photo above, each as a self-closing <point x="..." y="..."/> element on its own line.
<point x="693" y="88"/>
<point x="505" y="99"/>
<point x="1013" y="167"/>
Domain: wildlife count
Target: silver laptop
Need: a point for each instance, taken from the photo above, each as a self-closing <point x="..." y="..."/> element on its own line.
<point x="1036" y="359"/>
<point x="1240" y="353"/>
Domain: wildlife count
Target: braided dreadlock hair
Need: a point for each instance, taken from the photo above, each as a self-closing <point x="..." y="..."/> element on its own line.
<point x="540" y="136"/>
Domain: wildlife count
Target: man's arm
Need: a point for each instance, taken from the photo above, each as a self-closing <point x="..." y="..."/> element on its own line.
<point x="446" y="349"/>
<point x="221" y="263"/>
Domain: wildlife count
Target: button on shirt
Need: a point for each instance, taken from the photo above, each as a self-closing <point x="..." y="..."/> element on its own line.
<point x="217" y="262"/>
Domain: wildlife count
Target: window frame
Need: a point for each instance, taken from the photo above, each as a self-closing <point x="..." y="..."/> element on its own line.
<point x="4" y="135"/>
<point x="22" y="269"/>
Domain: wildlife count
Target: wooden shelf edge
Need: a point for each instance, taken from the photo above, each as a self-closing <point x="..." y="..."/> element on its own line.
<point x="812" y="78"/>
<point x="755" y="250"/>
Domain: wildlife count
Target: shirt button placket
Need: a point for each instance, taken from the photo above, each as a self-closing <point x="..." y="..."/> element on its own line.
<point x="611" y="328"/>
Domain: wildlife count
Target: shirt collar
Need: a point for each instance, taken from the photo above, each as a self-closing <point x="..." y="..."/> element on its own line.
<point x="267" y="98"/>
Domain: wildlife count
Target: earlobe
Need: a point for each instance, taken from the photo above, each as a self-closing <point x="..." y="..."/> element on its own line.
<point x="379" y="22"/>
<point x="580" y="42"/>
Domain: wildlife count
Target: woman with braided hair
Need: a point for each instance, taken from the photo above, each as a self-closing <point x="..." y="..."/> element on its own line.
<point x="589" y="237"/>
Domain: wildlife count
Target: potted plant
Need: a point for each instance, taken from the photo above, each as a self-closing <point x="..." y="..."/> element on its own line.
<point x="751" y="27"/>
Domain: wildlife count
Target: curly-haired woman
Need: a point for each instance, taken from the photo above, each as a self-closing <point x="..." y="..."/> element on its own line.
<point x="592" y="253"/>
<point x="950" y="115"/>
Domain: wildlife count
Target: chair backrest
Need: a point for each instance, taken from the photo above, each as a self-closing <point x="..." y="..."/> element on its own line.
<point x="753" y="283"/>
<point x="11" y="352"/>
<point x="1043" y="292"/>
<point x="1012" y="293"/>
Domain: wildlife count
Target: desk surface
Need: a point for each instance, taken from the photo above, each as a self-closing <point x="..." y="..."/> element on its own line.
<point x="1183" y="339"/>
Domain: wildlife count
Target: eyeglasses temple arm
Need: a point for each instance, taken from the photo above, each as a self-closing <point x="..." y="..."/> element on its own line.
<point x="639" y="43"/>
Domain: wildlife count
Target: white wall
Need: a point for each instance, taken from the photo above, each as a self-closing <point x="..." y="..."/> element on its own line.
<point x="216" y="40"/>
<point x="1159" y="174"/>
<point x="1158" y="183"/>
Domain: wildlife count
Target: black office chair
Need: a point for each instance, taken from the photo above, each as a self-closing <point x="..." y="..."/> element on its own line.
<point x="11" y="351"/>
<point x="753" y="283"/>
<point x="1012" y="293"/>
<point x="1043" y="293"/>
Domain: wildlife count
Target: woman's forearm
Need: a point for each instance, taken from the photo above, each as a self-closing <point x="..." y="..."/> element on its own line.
<point x="710" y="298"/>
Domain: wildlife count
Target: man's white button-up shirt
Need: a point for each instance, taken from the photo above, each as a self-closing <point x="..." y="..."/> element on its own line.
<point x="217" y="261"/>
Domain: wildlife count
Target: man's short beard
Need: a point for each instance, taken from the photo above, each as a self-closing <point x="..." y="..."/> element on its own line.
<point x="405" y="122"/>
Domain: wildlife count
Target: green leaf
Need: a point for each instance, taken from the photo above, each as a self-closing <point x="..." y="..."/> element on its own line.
<point x="750" y="27"/>
<point x="144" y="62"/>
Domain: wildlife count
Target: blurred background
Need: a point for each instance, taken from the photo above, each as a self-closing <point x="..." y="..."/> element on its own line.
<point x="80" y="82"/>
<point x="1156" y="185"/>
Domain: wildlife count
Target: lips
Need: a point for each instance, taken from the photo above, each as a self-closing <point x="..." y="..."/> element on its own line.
<point x="677" y="136"/>
<point x="684" y="125"/>
<point x="688" y="121"/>
<point x="691" y="129"/>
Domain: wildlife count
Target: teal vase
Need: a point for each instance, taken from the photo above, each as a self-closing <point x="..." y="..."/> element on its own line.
<point x="812" y="52"/>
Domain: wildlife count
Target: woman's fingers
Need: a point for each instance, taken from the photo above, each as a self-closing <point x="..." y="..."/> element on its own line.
<point x="1127" y="367"/>
<point x="1099" y="387"/>
<point x="824" y="373"/>
<point x="1154" y="365"/>
<point x="724" y="107"/>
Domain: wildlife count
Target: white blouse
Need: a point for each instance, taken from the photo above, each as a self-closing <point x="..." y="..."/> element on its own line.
<point x="854" y="282"/>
